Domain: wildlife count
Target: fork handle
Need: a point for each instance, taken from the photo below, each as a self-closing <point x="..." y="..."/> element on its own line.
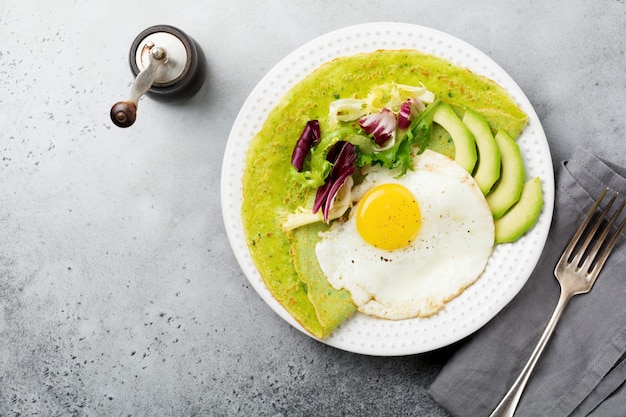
<point x="507" y="406"/>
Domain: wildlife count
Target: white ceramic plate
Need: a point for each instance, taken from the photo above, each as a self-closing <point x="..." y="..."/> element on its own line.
<point x="510" y="265"/>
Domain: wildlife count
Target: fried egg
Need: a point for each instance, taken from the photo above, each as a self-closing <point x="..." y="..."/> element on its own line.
<point x="410" y="243"/>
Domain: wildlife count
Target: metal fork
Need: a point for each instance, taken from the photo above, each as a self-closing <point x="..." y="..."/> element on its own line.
<point x="576" y="272"/>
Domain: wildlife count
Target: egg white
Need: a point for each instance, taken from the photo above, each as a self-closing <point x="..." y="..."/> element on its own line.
<point x="449" y="253"/>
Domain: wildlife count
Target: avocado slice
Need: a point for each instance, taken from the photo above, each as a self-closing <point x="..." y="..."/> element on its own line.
<point x="522" y="216"/>
<point x="508" y="189"/>
<point x="464" y="143"/>
<point x="487" y="170"/>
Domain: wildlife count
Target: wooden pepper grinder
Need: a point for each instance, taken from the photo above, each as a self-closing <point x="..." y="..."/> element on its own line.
<point x="168" y="65"/>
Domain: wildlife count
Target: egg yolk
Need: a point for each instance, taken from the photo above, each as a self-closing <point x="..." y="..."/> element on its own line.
<point x="388" y="217"/>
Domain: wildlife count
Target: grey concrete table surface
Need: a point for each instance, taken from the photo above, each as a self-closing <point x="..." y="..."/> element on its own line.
<point x="119" y="293"/>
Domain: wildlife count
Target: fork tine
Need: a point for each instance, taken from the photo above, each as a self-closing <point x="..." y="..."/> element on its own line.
<point x="590" y="235"/>
<point x="609" y="247"/>
<point x="574" y="241"/>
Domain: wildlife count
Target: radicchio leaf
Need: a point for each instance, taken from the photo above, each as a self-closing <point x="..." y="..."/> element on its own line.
<point x="342" y="156"/>
<point x="404" y="115"/>
<point x="381" y="125"/>
<point x="408" y="110"/>
<point x="309" y="137"/>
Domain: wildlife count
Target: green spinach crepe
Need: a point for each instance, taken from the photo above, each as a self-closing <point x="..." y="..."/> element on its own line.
<point x="287" y="260"/>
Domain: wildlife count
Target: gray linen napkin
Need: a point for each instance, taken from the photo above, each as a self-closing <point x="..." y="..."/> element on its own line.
<point x="583" y="368"/>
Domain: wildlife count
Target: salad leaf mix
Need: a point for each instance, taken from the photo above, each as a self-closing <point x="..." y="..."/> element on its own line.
<point x="382" y="129"/>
